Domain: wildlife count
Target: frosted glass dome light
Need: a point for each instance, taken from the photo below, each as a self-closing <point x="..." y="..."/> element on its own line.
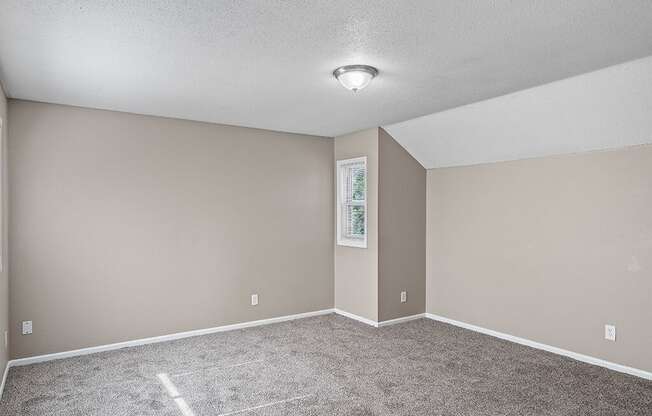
<point x="355" y="77"/>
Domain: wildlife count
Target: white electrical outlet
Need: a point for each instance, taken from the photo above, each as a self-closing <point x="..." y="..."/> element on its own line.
<point x="610" y="332"/>
<point x="254" y="300"/>
<point x="403" y="297"/>
<point x="27" y="327"/>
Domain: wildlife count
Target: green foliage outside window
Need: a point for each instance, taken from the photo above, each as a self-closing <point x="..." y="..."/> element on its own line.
<point x="357" y="211"/>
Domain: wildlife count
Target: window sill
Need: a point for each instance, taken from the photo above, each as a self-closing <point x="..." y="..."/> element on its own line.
<point x="352" y="243"/>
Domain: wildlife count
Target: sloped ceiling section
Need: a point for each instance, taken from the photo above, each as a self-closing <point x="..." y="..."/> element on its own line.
<point x="605" y="109"/>
<point x="269" y="63"/>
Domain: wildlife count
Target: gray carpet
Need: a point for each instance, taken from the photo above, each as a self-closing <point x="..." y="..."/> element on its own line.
<point x="328" y="365"/>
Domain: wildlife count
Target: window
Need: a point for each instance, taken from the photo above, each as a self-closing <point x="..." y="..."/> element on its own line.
<point x="352" y="202"/>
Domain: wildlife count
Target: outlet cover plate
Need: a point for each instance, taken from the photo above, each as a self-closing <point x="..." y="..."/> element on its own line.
<point x="610" y="332"/>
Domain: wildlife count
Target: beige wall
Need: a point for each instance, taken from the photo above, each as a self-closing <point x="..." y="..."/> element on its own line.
<point x="548" y="249"/>
<point x="368" y="282"/>
<point x="356" y="269"/>
<point x="125" y="226"/>
<point x="401" y="231"/>
<point x="4" y="281"/>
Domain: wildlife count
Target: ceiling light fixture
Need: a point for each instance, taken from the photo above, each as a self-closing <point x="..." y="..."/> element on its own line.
<point x="355" y="77"/>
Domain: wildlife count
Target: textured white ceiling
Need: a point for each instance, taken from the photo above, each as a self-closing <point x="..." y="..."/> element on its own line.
<point x="268" y="63"/>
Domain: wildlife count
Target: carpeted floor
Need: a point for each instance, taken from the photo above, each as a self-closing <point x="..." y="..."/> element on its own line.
<point x="328" y="365"/>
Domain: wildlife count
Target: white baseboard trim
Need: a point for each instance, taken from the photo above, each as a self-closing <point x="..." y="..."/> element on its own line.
<point x="380" y="324"/>
<point x="180" y="335"/>
<point x="357" y="317"/>
<point x="401" y="320"/>
<point x="577" y="356"/>
<point x="162" y="338"/>
<point x="4" y="379"/>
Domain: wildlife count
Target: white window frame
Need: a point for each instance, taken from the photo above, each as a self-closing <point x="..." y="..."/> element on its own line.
<point x="2" y="186"/>
<point x="341" y="240"/>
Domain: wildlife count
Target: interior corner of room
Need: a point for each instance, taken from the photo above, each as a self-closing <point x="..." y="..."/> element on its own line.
<point x="460" y="224"/>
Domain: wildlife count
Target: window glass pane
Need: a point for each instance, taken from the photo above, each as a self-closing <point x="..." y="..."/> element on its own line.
<point x="355" y="221"/>
<point x="358" y="185"/>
